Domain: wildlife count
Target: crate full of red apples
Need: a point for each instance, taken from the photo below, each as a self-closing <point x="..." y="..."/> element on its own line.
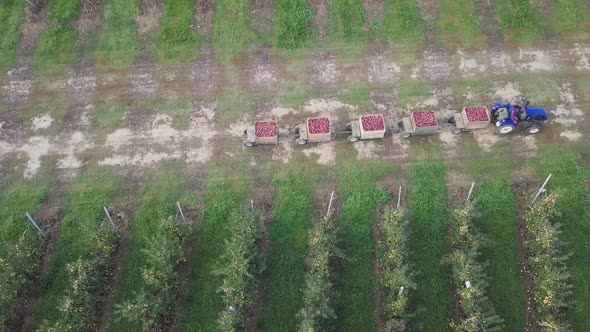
<point x="319" y="129"/>
<point x="372" y="126"/>
<point x="424" y="120"/>
<point x="476" y="117"/>
<point x="267" y="132"/>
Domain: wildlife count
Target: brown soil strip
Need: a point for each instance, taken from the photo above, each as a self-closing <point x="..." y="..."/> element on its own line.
<point x="89" y="21"/>
<point x="204" y="14"/>
<point x="261" y="17"/>
<point x="373" y="11"/>
<point x="490" y="21"/>
<point x="150" y="17"/>
<point x="429" y="11"/>
<point x="33" y="26"/>
<point x="320" y="19"/>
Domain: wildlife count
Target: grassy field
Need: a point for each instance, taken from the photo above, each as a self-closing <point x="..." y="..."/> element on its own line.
<point x="118" y="42"/>
<point x="459" y="30"/>
<point x="57" y="47"/>
<point x="347" y="19"/>
<point x="80" y="224"/>
<point x="292" y="23"/>
<point x="569" y="178"/>
<point x="402" y="22"/>
<point x="222" y="198"/>
<point x="355" y="281"/>
<point x="570" y="19"/>
<point x="231" y="28"/>
<point x="159" y="194"/>
<point x="284" y="275"/>
<point x="428" y="228"/>
<point x="12" y="13"/>
<point x="519" y="20"/>
<point x="176" y="40"/>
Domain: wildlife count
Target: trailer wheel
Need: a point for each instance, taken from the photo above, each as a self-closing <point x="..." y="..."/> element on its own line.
<point x="248" y="144"/>
<point x="456" y="131"/>
<point x="301" y="141"/>
<point x="405" y="135"/>
<point x="451" y="120"/>
<point x="296" y="130"/>
<point x="534" y="129"/>
<point x="352" y="138"/>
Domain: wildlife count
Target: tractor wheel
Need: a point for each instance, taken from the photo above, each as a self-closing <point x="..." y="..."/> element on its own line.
<point x="505" y="130"/>
<point x="534" y="129"/>
<point x="301" y="141"/>
<point x="405" y="135"/>
<point x="456" y="131"/>
<point x="352" y="138"/>
<point x="248" y="144"/>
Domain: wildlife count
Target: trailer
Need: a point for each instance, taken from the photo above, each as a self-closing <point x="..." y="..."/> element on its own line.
<point x="371" y="126"/>
<point x="419" y="123"/>
<point x="314" y="130"/>
<point x="262" y="133"/>
<point x="470" y="118"/>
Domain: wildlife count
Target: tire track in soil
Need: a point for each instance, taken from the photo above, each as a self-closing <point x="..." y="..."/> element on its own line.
<point x="204" y="74"/>
<point x="320" y="19"/>
<point x="261" y="17"/>
<point x="204" y="14"/>
<point x="19" y="81"/>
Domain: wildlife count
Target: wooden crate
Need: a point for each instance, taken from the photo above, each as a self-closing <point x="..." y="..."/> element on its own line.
<point x="266" y="139"/>
<point x="421" y="129"/>
<point x="318" y="137"/>
<point x="475" y="124"/>
<point x="371" y="134"/>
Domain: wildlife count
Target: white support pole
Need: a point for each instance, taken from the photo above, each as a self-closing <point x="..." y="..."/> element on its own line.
<point x="106" y="211"/>
<point x="330" y="204"/>
<point x="399" y="197"/>
<point x="251" y="204"/>
<point x="542" y="189"/>
<point x="31" y="3"/>
<point x="470" y="191"/>
<point x="36" y="226"/>
<point x="181" y="213"/>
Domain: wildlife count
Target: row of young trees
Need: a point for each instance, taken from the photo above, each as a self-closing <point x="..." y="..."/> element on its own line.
<point x="469" y="275"/>
<point x="552" y="288"/>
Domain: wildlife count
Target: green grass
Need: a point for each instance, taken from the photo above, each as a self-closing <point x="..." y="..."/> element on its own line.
<point x="459" y="30"/>
<point x="402" y="22"/>
<point x="223" y="196"/>
<point x="568" y="17"/>
<point x="176" y="39"/>
<point x="284" y="277"/>
<point x="162" y="188"/>
<point x="347" y="19"/>
<point x="358" y="94"/>
<point x="57" y="47"/>
<point x="231" y="27"/>
<point x="355" y="281"/>
<point x="496" y="207"/>
<point x="292" y="23"/>
<point x="569" y="178"/>
<point x="12" y="13"/>
<point x="412" y="92"/>
<point x="118" y="43"/>
<point x="428" y="227"/>
<point x="107" y="116"/>
<point x="519" y="20"/>
<point x="78" y="227"/>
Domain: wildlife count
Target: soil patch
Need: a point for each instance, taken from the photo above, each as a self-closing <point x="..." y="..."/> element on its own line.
<point x="33" y="26"/>
<point x="263" y="75"/>
<point x="204" y="74"/>
<point x="204" y="14"/>
<point x="320" y="19"/>
<point x="18" y="87"/>
<point x="373" y="12"/>
<point x="89" y="21"/>
<point x="325" y="73"/>
<point x="261" y="16"/>
<point x="382" y="69"/>
<point x="143" y="81"/>
<point x="150" y="16"/>
<point x="81" y="83"/>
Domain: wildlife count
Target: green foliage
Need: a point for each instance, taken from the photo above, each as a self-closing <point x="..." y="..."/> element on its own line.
<point x="356" y="283"/>
<point x="57" y="46"/>
<point x="458" y="23"/>
<point x="176" y="39"/>
<point x="292" y="23"/>
<point x="401" y="23"/>
<point x="237" y="270"/>
<point x="347" y="19"/>
<point x="552" y="288"/>
<point x="318" y="291"/>
<point x="496" y="220"/>
<point x="292" y="215"/>
<point x="118" y="41"/>
<point x="163" y="252"/>
<point x="568" y="15"/>
<point x="12" y="13"/>
<point x="398" y="278"/>
<point x="428" y="227"/>
<point x="469" y="274"/>
<point x="519" y="20"/>
<point x="231" y="26"/>
<point x="87" y="279"/>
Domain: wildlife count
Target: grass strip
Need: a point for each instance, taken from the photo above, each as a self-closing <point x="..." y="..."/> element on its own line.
<point x="285" y="277"/>
<point x="574" y="216"/>
<point x="428" y="227"/>
<point x="402" y="22"/>
<point x="355" y="281"/>
<point x="118" y="41"/>
<point x="12" y="14"/>
<point x="459" y="30"/>
<point x="496" y="219"/>
<point x="231" y="27"/>
<point x="176" y="39"/>
<point x="57" y="47"/>
<point x="161" y="190"/>
<point x="223" y="197"/>
<point x="78" y="229"/>
<point x="292" y="23"/>
<point x="347" y="19"/>
<point x="519" y="20"/>
<point x="568" y="17"/>
<point x="18" y="252"/>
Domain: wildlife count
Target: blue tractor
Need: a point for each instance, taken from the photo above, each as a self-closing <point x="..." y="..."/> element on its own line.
<point x="509" y="116"/>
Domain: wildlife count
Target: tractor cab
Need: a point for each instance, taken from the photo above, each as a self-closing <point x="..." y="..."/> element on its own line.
<point x="508" y="116"/>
